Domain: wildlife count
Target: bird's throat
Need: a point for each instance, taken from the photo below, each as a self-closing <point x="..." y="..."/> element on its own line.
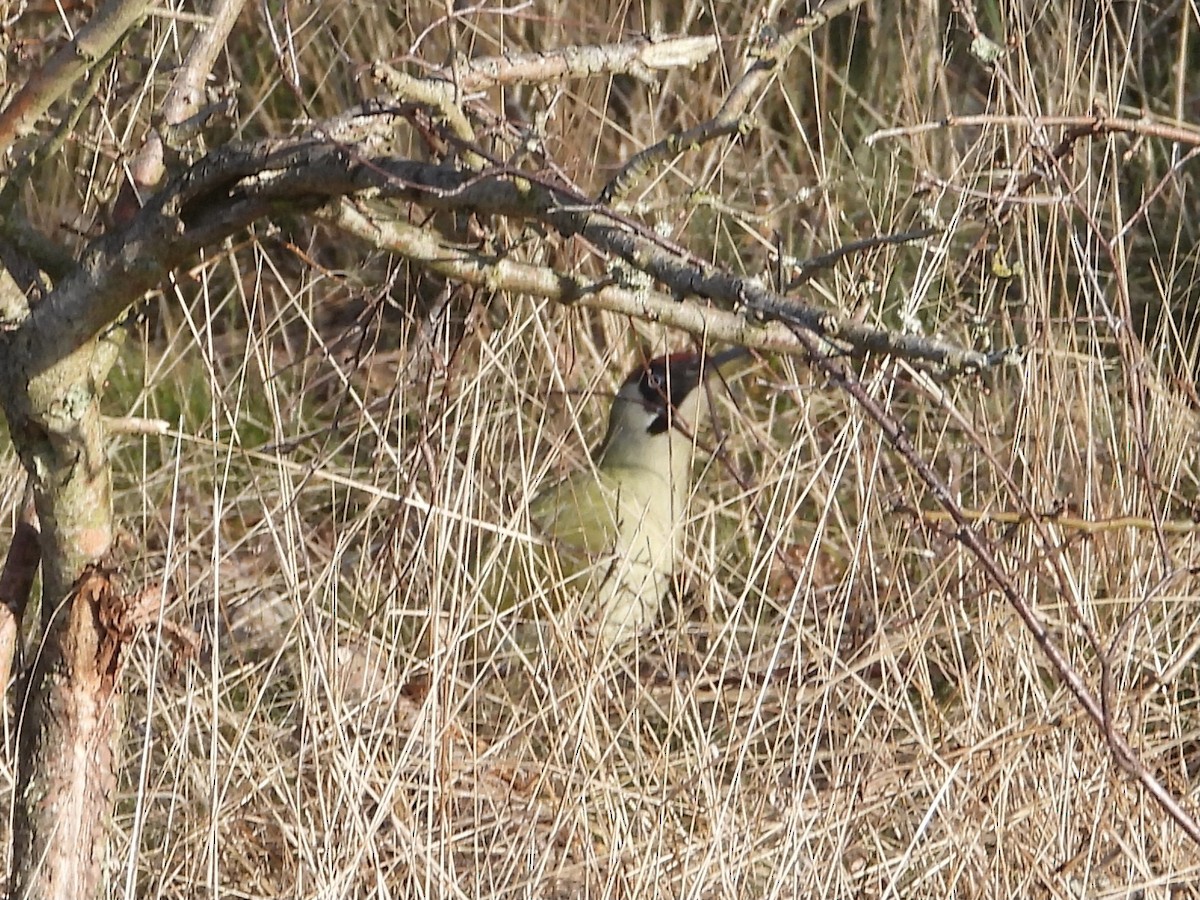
<point x="650" y="466"/>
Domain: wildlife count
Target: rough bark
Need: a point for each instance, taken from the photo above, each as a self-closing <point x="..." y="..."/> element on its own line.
<point x="68" y="746"/>
<point x="69" y="708"/>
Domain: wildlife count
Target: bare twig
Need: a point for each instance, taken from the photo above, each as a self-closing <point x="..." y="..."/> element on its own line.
<point x="970" y="538"/>
<point x="1070" y="522"/>
<point x="93" y="42"/>
<point x="501" y="274"/>
<point x="767" y="57"/>
<point x="182" y="102"/>
<point x="136" y="425"/>
<point x="810" y="267"/>
<point x="639" y="57"/>
<point x="1077" y="126"/>
<point x="1154" y="192"/>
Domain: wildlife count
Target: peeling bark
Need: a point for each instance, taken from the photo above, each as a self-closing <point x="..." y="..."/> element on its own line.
<point x="68" y="749"/>
<point x="69" y="706"/>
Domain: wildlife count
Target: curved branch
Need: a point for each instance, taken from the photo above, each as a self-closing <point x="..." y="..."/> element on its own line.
<point x="237" y="185"/>
<point x="500" y="274"/>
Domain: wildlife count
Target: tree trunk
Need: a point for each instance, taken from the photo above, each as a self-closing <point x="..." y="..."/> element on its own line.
<point x="69" y="734"/>
<point x="69" y="710"/>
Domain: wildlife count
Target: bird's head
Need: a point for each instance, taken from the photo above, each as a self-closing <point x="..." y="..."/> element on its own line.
<point x="659" y="399"/>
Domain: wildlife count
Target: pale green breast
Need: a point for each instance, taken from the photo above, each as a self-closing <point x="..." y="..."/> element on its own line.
<point x="607" y="557"/>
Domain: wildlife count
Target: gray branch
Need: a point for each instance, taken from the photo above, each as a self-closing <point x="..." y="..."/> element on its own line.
<point x="239" y="184"/>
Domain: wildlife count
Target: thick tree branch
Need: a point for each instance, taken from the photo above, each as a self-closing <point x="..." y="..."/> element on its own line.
<point x="237" y="185"/>
<point x="497" y="273"/>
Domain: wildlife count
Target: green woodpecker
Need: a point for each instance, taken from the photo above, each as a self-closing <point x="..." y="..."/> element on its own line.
<point x="612" y="530"/>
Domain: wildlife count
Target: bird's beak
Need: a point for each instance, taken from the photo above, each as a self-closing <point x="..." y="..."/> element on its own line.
<point x="688" y="371"/>
<point x="717" y="361"/>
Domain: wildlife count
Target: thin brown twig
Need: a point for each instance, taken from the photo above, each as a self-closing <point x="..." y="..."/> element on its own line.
<point x="810" y="267"/>
<point x="767" y="56"/>
<point x="971" y="538"/>
<point x="1069" y="522"/>
<point x="1078" y="126"/>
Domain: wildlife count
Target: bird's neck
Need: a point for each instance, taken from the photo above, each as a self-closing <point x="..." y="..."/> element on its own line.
<point x="666" y="456"/>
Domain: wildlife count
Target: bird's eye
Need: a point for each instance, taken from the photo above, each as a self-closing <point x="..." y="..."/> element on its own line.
<point x="656" y="383"/>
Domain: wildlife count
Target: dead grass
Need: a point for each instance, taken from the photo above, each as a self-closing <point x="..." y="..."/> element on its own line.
<point x="837" y="703"/>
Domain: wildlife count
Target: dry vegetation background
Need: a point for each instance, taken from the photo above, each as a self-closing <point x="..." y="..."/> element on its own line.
<point x="837" y="702"/>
